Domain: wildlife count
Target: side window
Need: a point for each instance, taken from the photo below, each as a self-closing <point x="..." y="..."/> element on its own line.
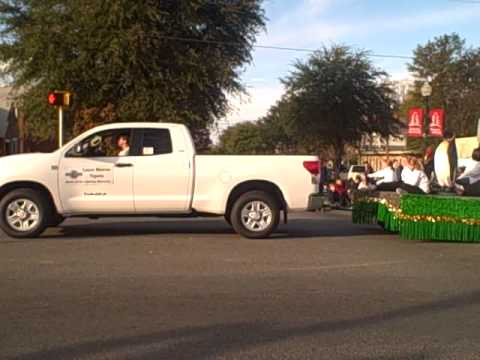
<point x="156" y="142"/>
<point x="107" y="143"/>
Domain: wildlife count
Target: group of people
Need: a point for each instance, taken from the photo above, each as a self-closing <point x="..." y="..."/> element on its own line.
<point x="411" y="176"/>
<point x="407" y="175"/>
<point x="437" y="172"/>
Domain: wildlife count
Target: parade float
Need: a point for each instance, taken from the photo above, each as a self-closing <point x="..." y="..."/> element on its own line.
<point x="438" y="217"/>
<point x="435" y="217"/>
<point x="421" y="217"/>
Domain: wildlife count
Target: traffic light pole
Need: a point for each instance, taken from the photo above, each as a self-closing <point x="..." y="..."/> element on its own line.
<point x="60" y="99"/>
<point x="60" y="126"/>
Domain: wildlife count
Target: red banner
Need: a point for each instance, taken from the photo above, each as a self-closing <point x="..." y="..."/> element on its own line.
<point x="415" y="122"/>
<point x="437" y="120"/>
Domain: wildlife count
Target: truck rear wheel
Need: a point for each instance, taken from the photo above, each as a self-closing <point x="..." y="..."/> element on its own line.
<point x="255" y="215"/>
<point x="24" y="213"/>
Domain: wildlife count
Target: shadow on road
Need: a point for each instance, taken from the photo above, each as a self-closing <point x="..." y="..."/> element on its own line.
<point x="207" y="341"/>
<point x="296" y="228"/>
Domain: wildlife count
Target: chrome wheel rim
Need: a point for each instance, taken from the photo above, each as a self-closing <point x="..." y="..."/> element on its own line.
<point x="256" y="216"/>
<point x="22" y="215"/>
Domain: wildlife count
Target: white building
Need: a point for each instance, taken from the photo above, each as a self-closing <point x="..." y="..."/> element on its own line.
<point x="402" y="88"/>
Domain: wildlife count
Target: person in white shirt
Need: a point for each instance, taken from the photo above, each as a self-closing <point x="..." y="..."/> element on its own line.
<point x="386" y="174"/>
<point x="469" y="182"/>
<point x="122" y="143"/>
<point x="414" y="179"/>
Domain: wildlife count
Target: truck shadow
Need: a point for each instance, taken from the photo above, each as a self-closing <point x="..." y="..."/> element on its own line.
<point x="296" y="228"/>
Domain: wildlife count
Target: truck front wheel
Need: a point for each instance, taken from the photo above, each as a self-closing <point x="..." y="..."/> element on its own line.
<point x="24" y="213"/>
<point x="255" y="215"/>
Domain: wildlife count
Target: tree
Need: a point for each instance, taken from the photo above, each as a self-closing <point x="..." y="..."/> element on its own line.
<point x="152" y="60"/>
<point x="336" y="97"/>
<point x="278" y="134"/>
<point x="454" y="71"/>
<point x="246" y="138"/>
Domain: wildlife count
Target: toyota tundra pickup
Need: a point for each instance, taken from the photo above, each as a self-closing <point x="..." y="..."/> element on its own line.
<point x="150" y="169"/>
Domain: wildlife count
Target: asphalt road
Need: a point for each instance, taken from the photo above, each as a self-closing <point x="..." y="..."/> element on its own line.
<point x="192" y="289"/>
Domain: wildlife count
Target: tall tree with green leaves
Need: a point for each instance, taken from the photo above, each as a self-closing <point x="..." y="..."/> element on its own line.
<point x="246" y="138"/>
<point x="337" y="96"/>
<point x="151" y="60"/>
<point x="278" y="132"/>
<point x="454" y="73"/>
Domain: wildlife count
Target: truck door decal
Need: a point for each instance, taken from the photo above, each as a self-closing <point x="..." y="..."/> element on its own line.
<point x="90" y="176"/>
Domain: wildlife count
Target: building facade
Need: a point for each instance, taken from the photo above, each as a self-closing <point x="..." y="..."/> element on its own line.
<point x="402" y="88"/>
<point x="373" y="148"/>
<point x="11" y="139"/>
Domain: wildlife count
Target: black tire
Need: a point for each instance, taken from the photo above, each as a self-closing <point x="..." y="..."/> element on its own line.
<point x="244" y="200"/>
<point x="41" y="202"/>
<point x="227" y="219"/>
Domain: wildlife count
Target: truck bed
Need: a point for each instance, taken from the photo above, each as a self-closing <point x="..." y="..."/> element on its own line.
<point x="217" y="175"/>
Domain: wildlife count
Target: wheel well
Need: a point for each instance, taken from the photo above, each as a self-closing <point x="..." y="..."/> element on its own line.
<point x="255" y="185"/>
<point x="5" y="189"/>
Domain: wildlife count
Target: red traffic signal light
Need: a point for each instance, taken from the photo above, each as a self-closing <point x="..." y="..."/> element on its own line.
<point x="59" y="98"/>
<point x="53" y="99"/>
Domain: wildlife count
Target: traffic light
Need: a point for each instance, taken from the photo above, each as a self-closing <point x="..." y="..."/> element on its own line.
<point x="59" y="98"/>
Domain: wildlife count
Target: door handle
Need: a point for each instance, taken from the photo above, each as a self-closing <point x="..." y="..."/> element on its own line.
<point x="121" y="165"/>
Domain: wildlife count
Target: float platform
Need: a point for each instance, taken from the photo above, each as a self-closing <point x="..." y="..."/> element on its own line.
<point x="420" y="217"/>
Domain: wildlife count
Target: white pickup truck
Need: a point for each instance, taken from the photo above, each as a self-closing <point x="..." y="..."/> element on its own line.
<point x="150" y="169"/>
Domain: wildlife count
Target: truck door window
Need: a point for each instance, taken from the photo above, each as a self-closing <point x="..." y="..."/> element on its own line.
<point x="107" y="143"/>
<point x="156" y="142"/>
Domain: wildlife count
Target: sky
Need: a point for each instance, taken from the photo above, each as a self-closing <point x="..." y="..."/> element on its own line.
<point x="392" y="27"/>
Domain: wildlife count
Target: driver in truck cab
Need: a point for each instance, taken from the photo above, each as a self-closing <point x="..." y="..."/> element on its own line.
<point x="123" y="145"/>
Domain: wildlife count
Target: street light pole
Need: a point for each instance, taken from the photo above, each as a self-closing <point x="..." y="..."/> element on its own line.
<point x="426" y="122"/>
<point x="426" y="91"/>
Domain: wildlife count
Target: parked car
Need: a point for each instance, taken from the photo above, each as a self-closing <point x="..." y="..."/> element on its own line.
<point x="160" y="175"/>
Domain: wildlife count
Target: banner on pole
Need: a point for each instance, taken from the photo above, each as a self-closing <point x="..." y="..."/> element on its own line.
<point x="437" y="121"/>
<point x="415" y="122"/>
